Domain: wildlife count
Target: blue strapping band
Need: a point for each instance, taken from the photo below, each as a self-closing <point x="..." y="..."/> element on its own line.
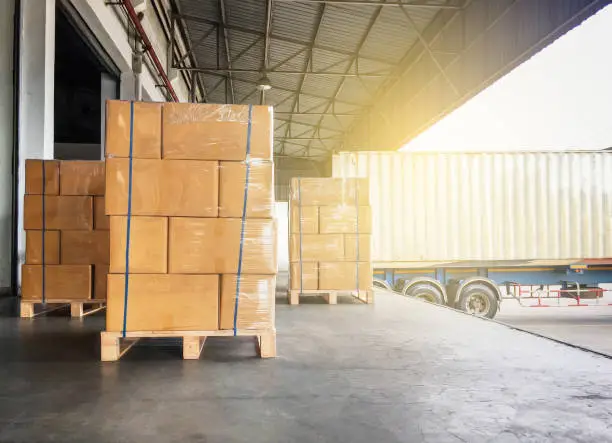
<point x="129" y="217"/>
<point x="244" y="211"/>
<point x="44" y="226"/>
<point x="300" y="231"/>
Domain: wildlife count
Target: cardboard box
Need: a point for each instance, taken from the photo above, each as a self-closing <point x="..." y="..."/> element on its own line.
<point x="85" y="247"/>
<point x="216" y="132"/>
<point x="212" y="246"/>
<point x="343" y="219"/>
<point x="163" y="302"/>
<point x="350" y="247"/>
<point x="256" y="301"/>
<point x="316" y="247"/>
<point x="34" y="177"/>
<point x="33" y="254"/>
<point x="101" y="220"/>
<point x="309" y="219"/>
<point x="330" y="191"/>
<point x="163" y="187"/>
<point x="260" y="194"/>
<point x="62" y="282"/>
<point x="82" y="177"/>
<point x="100" y="277"/>
<point x="146" y="129"/>
<point x="343" y="276"/>
<point x="61" y="212"/>
<point x="148" y="245"/>
<point x="309" y="279"/>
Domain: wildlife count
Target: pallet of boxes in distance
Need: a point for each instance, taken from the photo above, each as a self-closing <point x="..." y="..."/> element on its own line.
<point x="67" y="237"/>
<point x="200" y="244"/>
<point x="330" y="239"/>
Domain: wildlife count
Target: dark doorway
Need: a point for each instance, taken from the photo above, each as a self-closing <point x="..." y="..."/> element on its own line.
<point x="81" y="82"/>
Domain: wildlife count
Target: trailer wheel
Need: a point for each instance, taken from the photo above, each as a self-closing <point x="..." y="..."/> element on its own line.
<point x="427" y="292"/>
<point x="478" y="299"/>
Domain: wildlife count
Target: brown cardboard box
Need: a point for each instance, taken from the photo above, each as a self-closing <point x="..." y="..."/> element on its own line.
<point x="82" y="177"/>
<point x="212" y="246"/>
<point x="85" y="247"/>
<point x="260" y="195"/>
<point x="148" y="244"/>
<point x="101" y="220"/>
<point x="350" y="247"/>
<point x="309" y="278"/>
<point x="163" y="187"/>
<point x="343" y="219"/>
<point x="316" y="247"/>
<point x="330" y="191"/>
<point x="163" y="302"/>
<point x="61" y="212"/>
<point x="343" y="276"/>
<point x="100" y="278"/>
<point x="34" y="177"/>
<point x="255" y="301"/>
<point x="33" y="254"/>
<point x="215" y="132"/>
<point x="310" y="219"/>
<point x="147" y="129"/>
<point x="62" y="282"/>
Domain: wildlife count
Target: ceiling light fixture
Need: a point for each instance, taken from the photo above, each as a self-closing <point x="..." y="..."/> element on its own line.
<point x="263" y="84"/>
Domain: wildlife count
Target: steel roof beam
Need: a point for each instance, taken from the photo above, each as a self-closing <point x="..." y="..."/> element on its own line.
<point x="413" y="4"/>
<point x="266" y="50"/>
<point x="227" y="48"/>
<point x="256" y="71"/>
<point x="427" y="48"/>
<point x="292" y="91"/>
<point x="194" y="46"/>
<point x="310" y="125"/>
<point x="371" y="24"/>
<point x="280" y="38"/>
<point x="296" y="100"/>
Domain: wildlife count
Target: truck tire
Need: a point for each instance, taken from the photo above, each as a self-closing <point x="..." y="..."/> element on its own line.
<point x="427" y="292"/>
<point x="382" y="284"/>
<point x="479" y="300"/>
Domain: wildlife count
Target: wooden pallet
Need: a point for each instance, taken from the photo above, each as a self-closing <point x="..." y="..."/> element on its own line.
<point x="331" y="297"/>
<point x="113" y="345"/>
<point x="31" y="309"/>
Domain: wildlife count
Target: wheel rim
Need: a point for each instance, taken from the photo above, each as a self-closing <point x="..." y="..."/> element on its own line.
<point x="477" y="304"/>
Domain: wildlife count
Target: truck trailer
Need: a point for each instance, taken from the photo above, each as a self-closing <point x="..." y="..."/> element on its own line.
<point x="470" y="229"/>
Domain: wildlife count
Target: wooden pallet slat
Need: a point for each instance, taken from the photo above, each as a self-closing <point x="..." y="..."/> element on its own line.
<point x="113" y="345"/>
<point x="330" y="296"/>
<point x="33" y="309"/>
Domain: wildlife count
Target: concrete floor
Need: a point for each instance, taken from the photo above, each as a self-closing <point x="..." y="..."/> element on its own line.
<point x="589" y="327"/>
<point x="400" y="371"/>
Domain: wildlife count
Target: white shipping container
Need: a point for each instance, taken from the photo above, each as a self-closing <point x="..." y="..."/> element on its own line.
<point x="516" y="207"/>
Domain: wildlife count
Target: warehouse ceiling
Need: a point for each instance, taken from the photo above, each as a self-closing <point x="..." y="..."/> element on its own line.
<point x="340" y="71"/>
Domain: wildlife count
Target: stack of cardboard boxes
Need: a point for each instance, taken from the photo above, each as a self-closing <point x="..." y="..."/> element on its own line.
<point x="330" y="235"/>
<point x="194" y="235"/>
<point x="64" y="205"/>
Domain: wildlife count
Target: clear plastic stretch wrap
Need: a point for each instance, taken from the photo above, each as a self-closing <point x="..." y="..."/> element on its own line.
<point x="67" y="233"/>
<point x="310" y="191"/>
<point x="191" y="200"/>
<point x="255" y="304"/>
<point x="330" y="234"/>
<point x="190" y="188"/>
<point x="216" y="132"/>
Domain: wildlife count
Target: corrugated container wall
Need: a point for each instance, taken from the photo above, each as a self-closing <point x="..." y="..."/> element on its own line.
<point x="454" y="207"/>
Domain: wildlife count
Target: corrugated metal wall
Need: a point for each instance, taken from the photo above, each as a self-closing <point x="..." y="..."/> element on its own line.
<point x="486" y="206"/>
